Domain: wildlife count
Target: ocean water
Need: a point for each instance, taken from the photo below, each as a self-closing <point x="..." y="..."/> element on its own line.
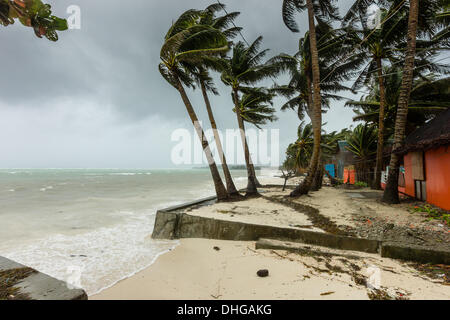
<point x="90" y="227"/>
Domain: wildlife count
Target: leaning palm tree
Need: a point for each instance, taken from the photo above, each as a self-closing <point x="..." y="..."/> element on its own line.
<point x="299" y="153"/>
<point x="317" y="9"/>
<point x="373" y="48"/>
<point x="256" y="109"/>
<point x="391" y="191"/>
<point x="382" y="45"/>
<point x="187" y="43"/>
<point x="200" y="72"/>
<point x="242" y="69"/>
<point x="299" y="90"/>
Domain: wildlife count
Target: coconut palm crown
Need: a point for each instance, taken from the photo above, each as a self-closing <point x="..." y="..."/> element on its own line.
<point x="185" y="44"/>
<point x="240" y="71"/>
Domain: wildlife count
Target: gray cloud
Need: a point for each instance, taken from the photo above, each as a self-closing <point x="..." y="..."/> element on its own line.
<point x="84" y="100"/>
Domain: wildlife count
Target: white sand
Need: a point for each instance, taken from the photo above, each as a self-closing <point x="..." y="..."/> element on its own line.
<point x="194" y="270"/>
<point x="256" y="211"/>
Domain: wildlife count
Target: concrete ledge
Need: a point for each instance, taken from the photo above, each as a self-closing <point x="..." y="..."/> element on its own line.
<point x="188" y="204"/>
<point x="302" y="249"/>
<point x="415" y="253"/>
<point x="171" y="225"/>
<point x="39" y="286"/>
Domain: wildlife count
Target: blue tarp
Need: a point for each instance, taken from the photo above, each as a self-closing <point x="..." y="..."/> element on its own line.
<point x="331" y="170"/>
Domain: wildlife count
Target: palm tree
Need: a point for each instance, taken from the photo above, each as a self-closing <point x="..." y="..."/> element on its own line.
<point x="187" y="43"/>
<point x="299" y="90"/>
<point x="424" y="19"/>
<point x="443" y="16"/>
<point x="256" y="107"/>
<point x="204" y="80"/>
<point x="429" y="96"/>
<point x="301" y="150"/>
<point x="242" y="69"/>
<point x="362" y="142"/>
<point x="391" y="191"/>
<point x="206" y="85"/>
<point x="379" y="45"/>
<point x="32" y="13"/>
<point x="316" y="10"/>
<point x="331" y="45"/>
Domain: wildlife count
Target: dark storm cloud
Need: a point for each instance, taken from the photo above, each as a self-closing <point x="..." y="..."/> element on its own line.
<point x="111" y="63"/>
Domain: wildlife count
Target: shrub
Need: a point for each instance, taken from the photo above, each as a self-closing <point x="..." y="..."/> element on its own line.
<point x="361" y="184"/>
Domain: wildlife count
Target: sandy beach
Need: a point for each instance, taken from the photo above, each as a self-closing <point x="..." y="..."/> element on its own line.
<point x="215" y="269"/>
<point x="196" y="270"/>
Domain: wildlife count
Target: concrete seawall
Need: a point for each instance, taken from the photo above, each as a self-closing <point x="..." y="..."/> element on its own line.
<point x="18" y="282"/>
<point x="176" y="223"/>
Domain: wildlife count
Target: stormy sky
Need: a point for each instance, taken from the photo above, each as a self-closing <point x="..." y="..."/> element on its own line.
<point x="95" y="98"/>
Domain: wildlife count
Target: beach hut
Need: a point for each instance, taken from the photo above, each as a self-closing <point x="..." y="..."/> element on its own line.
<point x="340" y="161"/>
<point x="426" y="162"/>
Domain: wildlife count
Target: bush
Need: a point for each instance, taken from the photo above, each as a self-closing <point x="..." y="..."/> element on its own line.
<point x="361" y="184"/>
<point x="433" y="213"/>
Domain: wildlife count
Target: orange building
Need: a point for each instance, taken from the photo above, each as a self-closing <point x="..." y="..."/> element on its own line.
<point x="426" y="162"/>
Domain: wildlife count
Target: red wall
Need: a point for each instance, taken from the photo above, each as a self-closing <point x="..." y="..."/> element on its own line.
<point x="437" y="175"/>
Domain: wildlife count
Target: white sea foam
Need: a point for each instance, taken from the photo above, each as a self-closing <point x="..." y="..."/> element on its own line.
<point x="104" y="256"/>
<point x="129" y="173"/>
<point x="124" y="174"/>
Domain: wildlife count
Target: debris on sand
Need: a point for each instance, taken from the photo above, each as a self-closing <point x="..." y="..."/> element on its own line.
<point x="263" y="273"/>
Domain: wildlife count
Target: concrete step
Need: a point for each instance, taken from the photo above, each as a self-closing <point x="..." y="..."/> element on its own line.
<point x="34" y="285"/>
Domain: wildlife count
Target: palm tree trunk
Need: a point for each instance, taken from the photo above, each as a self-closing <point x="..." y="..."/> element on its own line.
<point x="231" y="188"/>
<point x="258" y="184"/>
<point x="251" y="185"/>
<point x="380" y="144"/>
<point x="316" y="120"/>
<point x="391" y="192"/>
<point x="322" y="172"/>
<point x="221" y="192"/>
<point x="309" y="103"/>
<point x="317" y="182"/>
